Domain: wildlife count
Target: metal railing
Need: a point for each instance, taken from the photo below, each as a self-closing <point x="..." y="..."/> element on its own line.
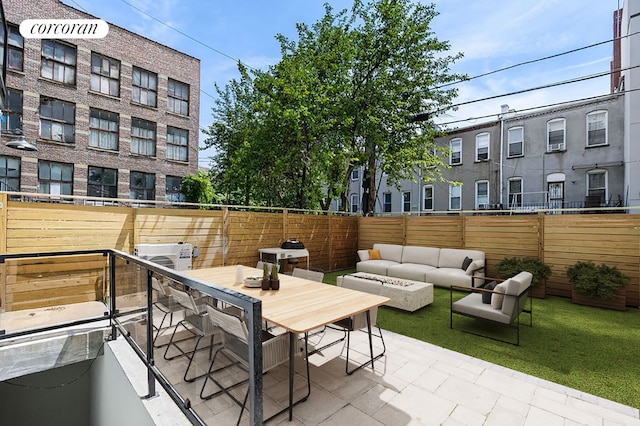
<point x="127" y="275"/>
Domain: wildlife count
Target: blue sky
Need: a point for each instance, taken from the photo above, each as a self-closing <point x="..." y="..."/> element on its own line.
<point x="491" y="34"/>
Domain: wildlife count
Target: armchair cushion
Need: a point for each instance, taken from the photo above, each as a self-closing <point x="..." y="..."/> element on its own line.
<point x="486" y="297"/>
<point x="497" y="298"/>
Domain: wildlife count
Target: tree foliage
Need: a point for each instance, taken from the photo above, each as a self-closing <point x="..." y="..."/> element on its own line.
<point x="343" y="95"/>
<point x="198" y="188"/>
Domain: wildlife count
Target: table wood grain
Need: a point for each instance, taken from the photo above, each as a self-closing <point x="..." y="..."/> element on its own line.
<point x="299" y="305"/>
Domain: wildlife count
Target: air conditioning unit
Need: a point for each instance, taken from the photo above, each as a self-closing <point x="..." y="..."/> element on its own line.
<point x="175" y="256"/>
<point x="556" y="147"/>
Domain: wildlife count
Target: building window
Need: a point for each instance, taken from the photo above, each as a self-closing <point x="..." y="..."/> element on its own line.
<point x="482" y="147"/>
<point x="355" y="173"/>
<point x="172" y="188"/>
<point x="57" y="120"/>
<point x="597" y="128"/>
<point x="427" y="196"/>
<point x="455" y="151"/>
<point x="102" y="182"/>
<point x="455" y="197"/>
<point x="105" y="75"/>
<point x="103" y="129"/>
<point x="177" y="144"/>
<point x="597" y="187"/>
<point x="556" y="135"/>
<point x="354" y="203"/>
<point x="178" y="97"/>
<point x="9" y="174"/>
<point x="58" y="61"/>
<point x="13" y="111"/>
<point x="143" y="137"/>
<point x="482" y="194"/>
<point x="515" y="139"/>
<point x="15" y="47"/>
<point x="515" y="192"/>
<point x="142" y="186"/>
<point x="386" y="202"/>
<point x="145" y="87"/>
<point x="406" y="201"/>
<point x="55" y="178"/>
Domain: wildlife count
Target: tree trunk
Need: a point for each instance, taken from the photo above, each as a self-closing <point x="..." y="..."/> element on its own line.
<point x="372" y="186"/>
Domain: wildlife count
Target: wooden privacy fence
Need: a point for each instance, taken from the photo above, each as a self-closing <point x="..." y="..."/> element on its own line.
<point x="226" y="237"/>
<point x="559" y="240"/>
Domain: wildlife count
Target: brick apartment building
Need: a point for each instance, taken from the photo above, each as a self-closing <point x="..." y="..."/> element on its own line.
<point x="115" y="117"/>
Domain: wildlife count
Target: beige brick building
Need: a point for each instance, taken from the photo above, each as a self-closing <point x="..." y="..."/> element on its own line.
<point x="115" y="117"/>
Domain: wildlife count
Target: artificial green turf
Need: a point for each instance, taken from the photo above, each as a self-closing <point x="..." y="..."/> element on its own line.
<point x="590" y="349"/>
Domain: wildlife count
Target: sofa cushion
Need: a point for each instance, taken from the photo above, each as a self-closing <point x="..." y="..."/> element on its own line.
<point x="375" y="266"/>
<point x="474" y="266"/>
<point x="446" y="277"/>
<point x="453" y="258"/>
<point x="391" y="252"/>
<point x="363" y="255"/>
<point x="421" y="255"/>
<point x="497" y="298"/>
<point x="466" y="262"/>
<point x="374" y="255"/>
<point x="410" y="271"/>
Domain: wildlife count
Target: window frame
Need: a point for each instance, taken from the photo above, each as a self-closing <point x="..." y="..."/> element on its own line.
<point x="61" y="182"/>
<point x="386" y="202"/>
<point x="354" y="203"/>
<point x="144" y="89"/>
<point x="518" y="194"/>
<point x="105" y="76"/>
<point x="174" y="149"/>
<point x="173" y="194"/>
<point x="406" y="201"/>
<point x="147" y="190"/>
<point x="510" y="142"/>
<point x="589" y="190"/>
<point x="112" y="189"/>
<point x="563" y="144"/>
<point x="143" y="142"/>
<point x="68" y="127"/>
<point x="478" y="183"/>
<point x="13" y="112"/>
<point x="15" y="47"/>
<point x="606" y="127"/>
<point x="425" y="198"/>
<point x="452" y="151"/>
<point x="58" y="65"/>
<point x="102" y="132"/>
<point x="10" y="181"/>
<point x="355" y="174"/>
<point x="480" y="140"/>
<point x="173" y="98"/>
<point x="455" y="192"/>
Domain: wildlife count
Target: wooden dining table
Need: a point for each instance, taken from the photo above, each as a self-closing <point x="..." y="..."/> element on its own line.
<point x="299" y="306"/>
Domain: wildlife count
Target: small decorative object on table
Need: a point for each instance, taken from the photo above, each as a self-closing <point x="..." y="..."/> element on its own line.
<point x="265" y="277"/>
<point x="275" y="281"/>
<point x="253" y="282"/>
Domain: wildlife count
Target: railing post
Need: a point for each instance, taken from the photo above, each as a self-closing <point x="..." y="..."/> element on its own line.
<point x="112" y="294"/>
<point x="151" y="381"/>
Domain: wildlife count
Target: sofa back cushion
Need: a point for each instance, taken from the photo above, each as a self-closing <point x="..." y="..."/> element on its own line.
<point x="421" y="255"/>
<point x="389" y="251"/>
<point x="453" y="258"/>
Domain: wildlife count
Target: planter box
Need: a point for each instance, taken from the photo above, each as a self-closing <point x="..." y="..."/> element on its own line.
<point x="619" y="303"/>
<point x="539" y="291"/>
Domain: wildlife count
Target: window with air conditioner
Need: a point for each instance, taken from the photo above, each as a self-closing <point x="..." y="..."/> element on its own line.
<point x="556" y="135"/>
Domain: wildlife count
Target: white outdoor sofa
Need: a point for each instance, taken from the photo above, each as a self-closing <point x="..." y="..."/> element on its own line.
<point x="443" y="267"/>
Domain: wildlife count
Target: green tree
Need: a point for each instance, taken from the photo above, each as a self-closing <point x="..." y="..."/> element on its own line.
<point x="343" y="96"/>
<point x="198" y="189"/>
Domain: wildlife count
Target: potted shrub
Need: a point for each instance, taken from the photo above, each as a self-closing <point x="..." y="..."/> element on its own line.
<point x="598" y="285"/>
<point x="510" y="266"/>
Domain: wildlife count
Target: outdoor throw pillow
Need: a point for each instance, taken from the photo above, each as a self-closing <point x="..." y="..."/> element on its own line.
<point x="374" y="254"/>
<point x="486" y="297"/>
<point x="466" y="262"/>
<point x="498" y="298"/>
